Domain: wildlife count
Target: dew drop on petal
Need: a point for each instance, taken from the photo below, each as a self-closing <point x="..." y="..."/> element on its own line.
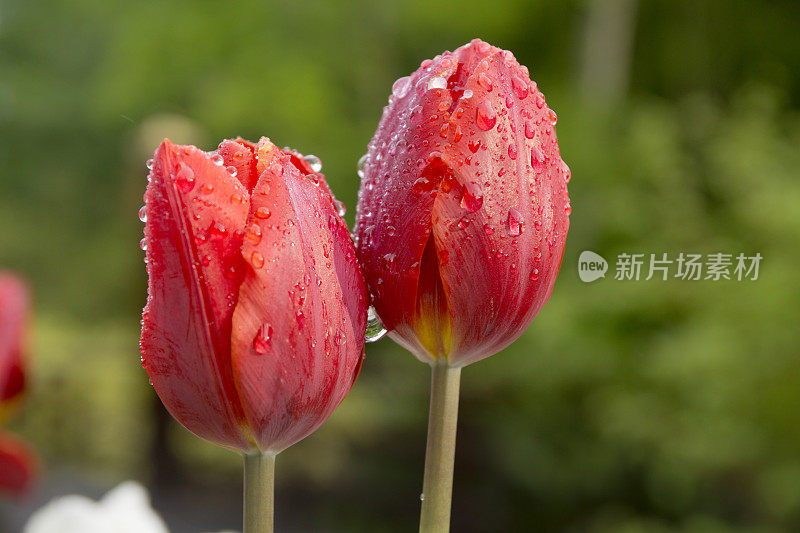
<point x="314" y="162"/>
<point x="253" y="233"/>
<point x="437" y="82"/>
<point x="341" y="209"/>
<point x="262" y="339"/>
<point x="217" y="231"/>
<point x="512" y="151"/>
<point x="217" y="159"/>
<point x="149" y="164"/>
<point x="257" y="259"/>
<point x="488" y="229"/>
<point x="360" y="166"/>
<point x="400" y="86"/>
<point x="514" y="222"/>
<point x="530" y="130"/>
<point x="520" y="87"/>
<point x="231" y="170"/>
<point x="485" y="116"/>
<point x="472" y="199"/>
<point x="143" y="244"/>
<point x="485" y="81"/>
<point x="462" y="223"/>
<point x="262" y="212"/>
<point x="375" y="330"/>
<point x="467" y="94"/>
<point x="184" y="179"/>
<point x="143" y="214"/>
<point x="207" y="188"/>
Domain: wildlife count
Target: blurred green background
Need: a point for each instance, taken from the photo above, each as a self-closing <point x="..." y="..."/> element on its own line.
<point x="638" y="406"/>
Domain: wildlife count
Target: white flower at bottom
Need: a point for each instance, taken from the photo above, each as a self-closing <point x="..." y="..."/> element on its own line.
<point x="124" y="509"/>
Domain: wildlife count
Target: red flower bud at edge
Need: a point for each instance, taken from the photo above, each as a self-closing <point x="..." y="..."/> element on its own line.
<point x="254" y="325"/>
<point x="18" y="462"/>
<point x="463" y="210"/>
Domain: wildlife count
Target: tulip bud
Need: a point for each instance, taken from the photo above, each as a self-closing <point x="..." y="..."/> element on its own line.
<point x="463" y="209"/>
<point x="13" y="316"/>
<point x="254" y="326"/>
<point x="18" y="462"/>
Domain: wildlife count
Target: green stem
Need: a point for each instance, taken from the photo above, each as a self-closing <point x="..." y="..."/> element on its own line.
<point x="437" y="487"/>
<point x="259" y="492"/>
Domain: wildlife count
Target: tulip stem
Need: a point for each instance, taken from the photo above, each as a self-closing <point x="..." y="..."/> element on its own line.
<point x="437" y="486"/>
<point x="259" y="491"/>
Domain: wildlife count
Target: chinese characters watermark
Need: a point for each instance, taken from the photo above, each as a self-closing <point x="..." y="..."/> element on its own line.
<point x="684" y="266"/>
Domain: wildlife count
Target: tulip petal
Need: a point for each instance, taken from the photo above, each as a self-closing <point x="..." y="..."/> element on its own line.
<point x="298" y="327"/>
<point x="393" y="222"/>
<point x="196" y="214"/>
<point x="14" y="303"/>
<point x="18" y="465"/>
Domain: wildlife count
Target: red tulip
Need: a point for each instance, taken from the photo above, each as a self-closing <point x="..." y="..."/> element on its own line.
<point x="17" y="460"/>
<point x="463" y="210"/>
<point x="254" y="325"/>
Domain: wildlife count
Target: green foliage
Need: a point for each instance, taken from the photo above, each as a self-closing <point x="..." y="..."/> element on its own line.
<point x="649" y="406"/>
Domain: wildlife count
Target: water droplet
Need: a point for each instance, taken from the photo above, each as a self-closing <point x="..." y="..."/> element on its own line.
<point x="217" y="159"/>
<point x="467" y="94"/>
<point x="462" y="223"/>
<point x="472" y="199"/>
<point x="568" y="207"/>
<point x="338" y="339"/>
<point x="534" y="274"/>
<point x="512" y="151"/>
<point x="232" y="170"/>
<point x="262" y="339"/>
<point x="253" y="233"/>
<point x="143" y="214"/>
<point x="552" y="116"/>
<point x="149" y="164"/>
<point x="262" y="212"/>
<point x="400" y="86"/>
<point x="257" y="259"/>
<point x="488" y="229"/>
<point x="514" y="222"/>
<point x="422" y="497"/>
<point x="530" y="130"/>
<point x="474" y="145"/>
<point x="143" y="244"/>
<point x="341" y="209"/>
<point x="360" y="165"/>
<point x="536" y="156"/>
<point x="314" y="162"/>
<point x="236" y="198"/>
<point x="184" y="179"/>
<point x="217" y="231"/>
<point x="485" y="116"/>
<point x="485" y="81"/>
<point x="520" y="87"/>
<point x="375" y="330"/>
<point x="207" y="188"/>
<point x="437" y="82"/>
